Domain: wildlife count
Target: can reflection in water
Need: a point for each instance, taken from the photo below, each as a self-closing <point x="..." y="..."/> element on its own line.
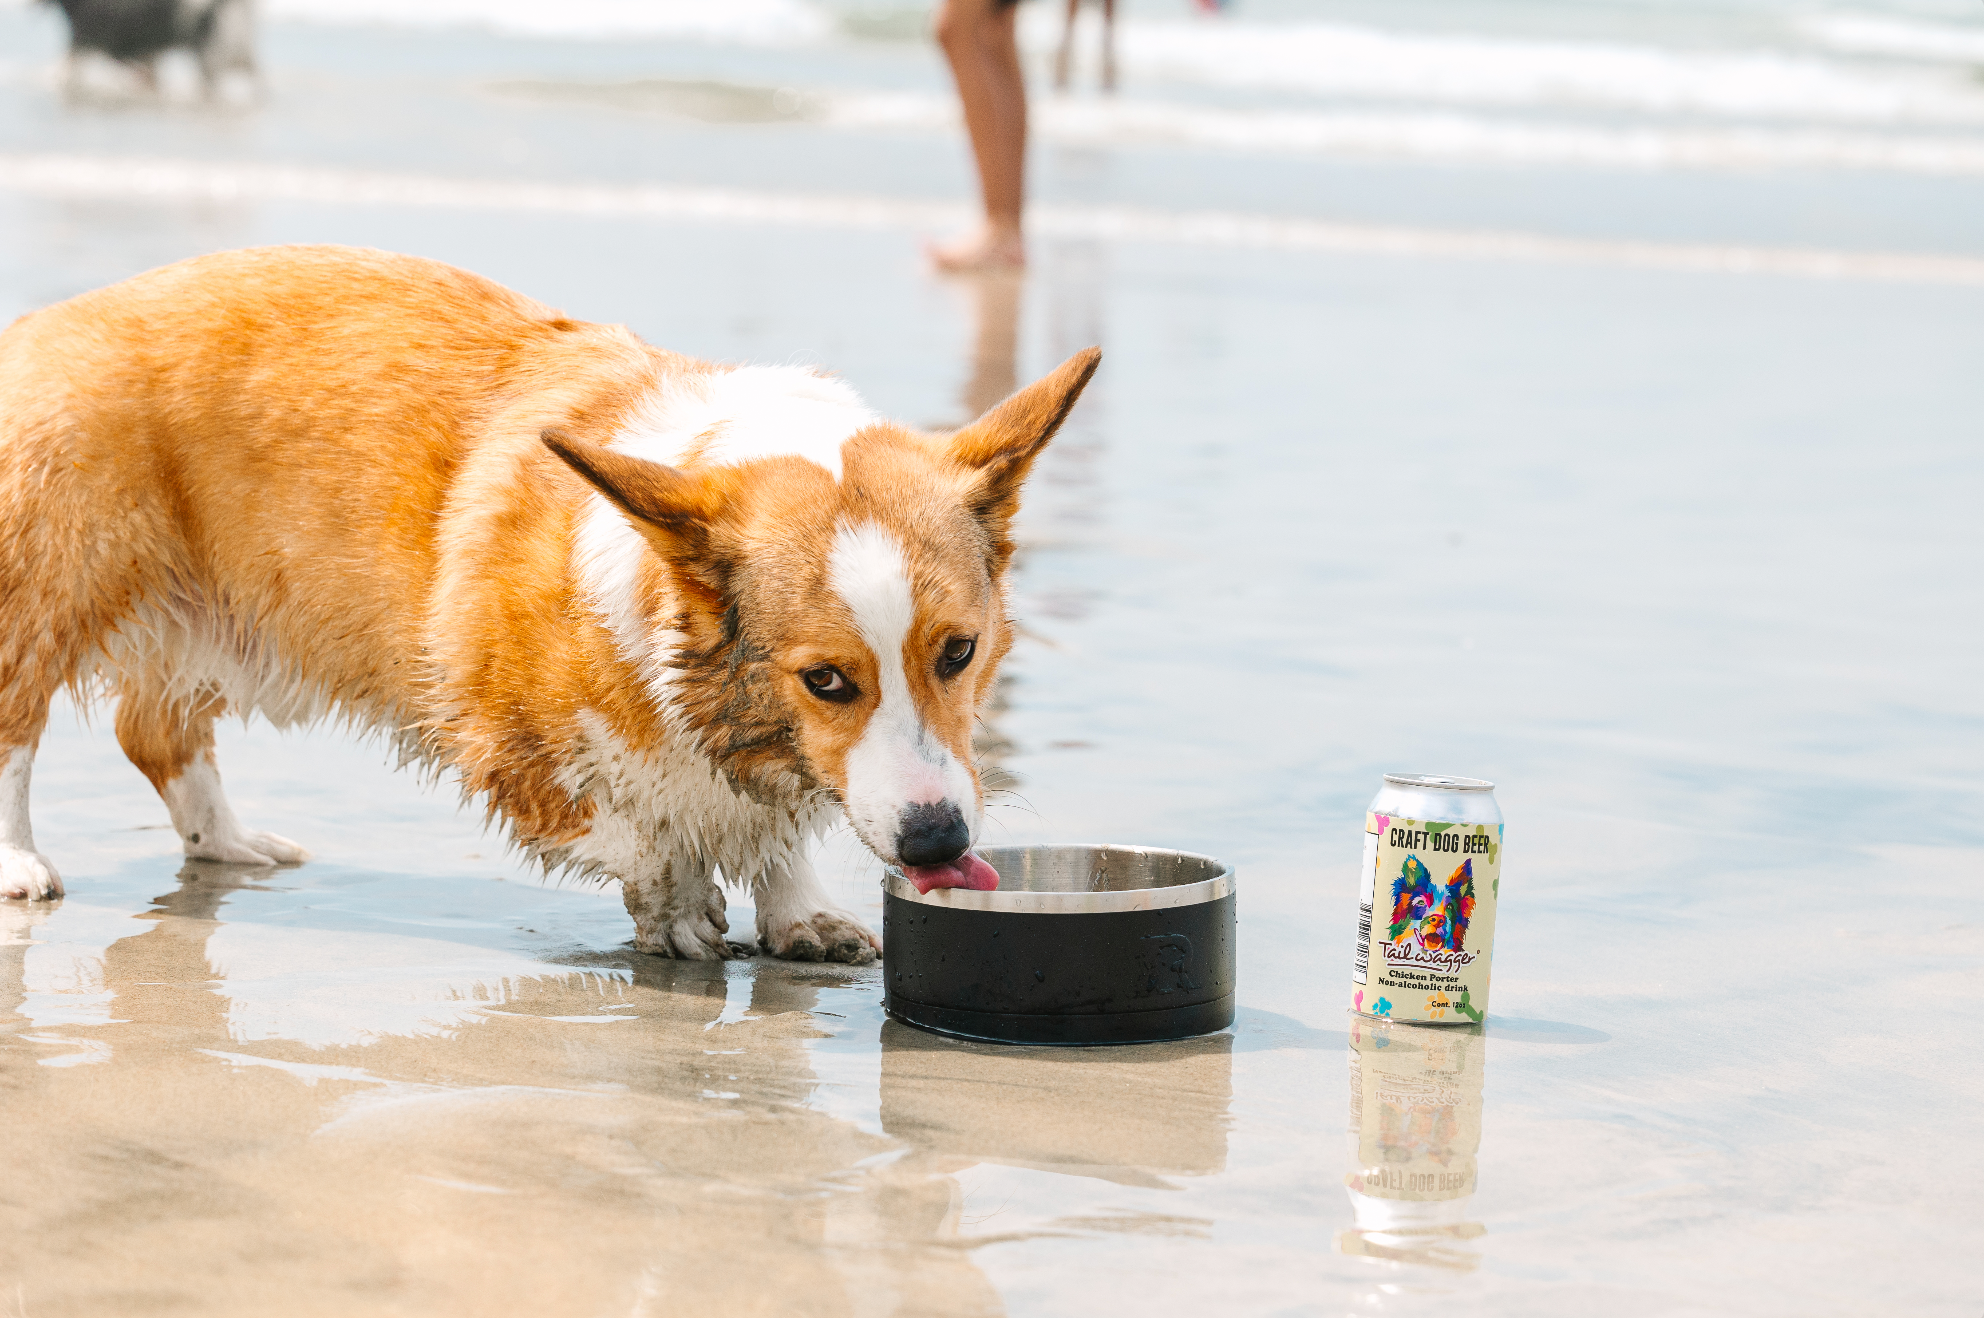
<point x="1415" y="1131"/>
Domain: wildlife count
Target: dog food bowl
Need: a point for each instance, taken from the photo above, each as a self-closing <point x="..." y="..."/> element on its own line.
<point x="1079" y="944"/>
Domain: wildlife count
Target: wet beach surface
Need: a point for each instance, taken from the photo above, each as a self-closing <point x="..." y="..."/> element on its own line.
<point x="1687" y="562"/>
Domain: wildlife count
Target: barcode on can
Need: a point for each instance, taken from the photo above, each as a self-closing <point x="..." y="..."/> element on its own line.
<point x="1361" y="973"/>
<point x="1369" y="881"/>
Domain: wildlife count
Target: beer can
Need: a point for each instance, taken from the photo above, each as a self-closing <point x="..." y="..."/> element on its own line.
<point x="1427" y="890"/>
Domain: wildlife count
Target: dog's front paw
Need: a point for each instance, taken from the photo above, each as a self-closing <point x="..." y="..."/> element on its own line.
<point x="244" y="847"/>
<point x="27" y="875"/>
<point x="691" y="938"/>
<point x="663" y="928"/>
<point x="821" y="936"/>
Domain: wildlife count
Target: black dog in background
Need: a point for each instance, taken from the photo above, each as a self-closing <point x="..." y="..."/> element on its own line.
<point x="219" y="33"/>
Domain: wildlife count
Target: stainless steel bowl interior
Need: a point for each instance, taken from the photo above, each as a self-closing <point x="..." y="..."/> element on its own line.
<point x="1086" y="867"/>
<point x="1081" y="878"/>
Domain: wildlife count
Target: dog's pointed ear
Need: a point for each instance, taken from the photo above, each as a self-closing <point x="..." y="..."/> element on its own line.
<point x="998" y="449"/>
<point x="677" y="513"/>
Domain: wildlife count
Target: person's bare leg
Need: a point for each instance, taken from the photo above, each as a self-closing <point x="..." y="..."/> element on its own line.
<point x="1109" y="45"/>
<point x="1064" y="55"/>
<point x="978" y="40"/>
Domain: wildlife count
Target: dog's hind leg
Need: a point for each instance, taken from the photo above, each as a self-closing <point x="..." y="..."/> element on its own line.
<point x="171" y="740"/>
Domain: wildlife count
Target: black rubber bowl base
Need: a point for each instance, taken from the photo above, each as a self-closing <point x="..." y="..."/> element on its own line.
<point x="1067" y="1029"/>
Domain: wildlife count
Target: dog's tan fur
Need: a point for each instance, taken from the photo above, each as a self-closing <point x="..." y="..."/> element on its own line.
<point x="357" y="477"/>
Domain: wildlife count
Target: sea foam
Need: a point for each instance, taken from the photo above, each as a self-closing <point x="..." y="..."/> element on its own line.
<point x="1341" y="60"/>
<point x="750" y="22"/>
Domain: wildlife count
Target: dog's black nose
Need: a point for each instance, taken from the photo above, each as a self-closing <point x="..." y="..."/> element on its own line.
<point x="931" y="834"/>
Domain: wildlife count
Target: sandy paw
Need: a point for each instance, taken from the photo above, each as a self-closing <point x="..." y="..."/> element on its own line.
<point x="693" y="938"/>
<point x="661" y="929"/>
<point x="822" y="936"/>
<point x="27" y="875"/>
<point x="245" y="848"/>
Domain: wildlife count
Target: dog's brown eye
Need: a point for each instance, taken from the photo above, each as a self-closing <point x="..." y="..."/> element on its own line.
<point x="829" y="683"/>
<point x="956" y="655"/>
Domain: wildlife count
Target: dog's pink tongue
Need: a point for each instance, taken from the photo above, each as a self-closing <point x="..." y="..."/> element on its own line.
<point x="967" y="871"/>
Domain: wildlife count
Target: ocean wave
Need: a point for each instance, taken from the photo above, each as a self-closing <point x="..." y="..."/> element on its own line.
<point x="1344" y="60"/>
<point x="1440" y="137"/>
<point x="746" y="22"/>
<point x="1895" y="36"/>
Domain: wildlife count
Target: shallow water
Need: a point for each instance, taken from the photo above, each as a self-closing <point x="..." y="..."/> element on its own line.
<point x="1687" y="562"/>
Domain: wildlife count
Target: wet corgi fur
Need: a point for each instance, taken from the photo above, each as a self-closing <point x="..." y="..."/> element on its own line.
<point x="669" y="620"/>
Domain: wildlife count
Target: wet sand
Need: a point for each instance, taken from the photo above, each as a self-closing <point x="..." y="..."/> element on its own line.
<point x="1687" y="562"/>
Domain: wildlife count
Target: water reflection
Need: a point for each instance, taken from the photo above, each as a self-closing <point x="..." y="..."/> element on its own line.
<point x="1065" y="492"/>
<point x="1415" y="1131"/>
<point x="161" y="980"/>
<point x="1132" y="1116"/>
<point x="631" y="1117"/>
<point x="993" y="371"/>
<point x="1065" y="495"/>
<point x="18" y="922"/>
<point x="980" y="1120"/>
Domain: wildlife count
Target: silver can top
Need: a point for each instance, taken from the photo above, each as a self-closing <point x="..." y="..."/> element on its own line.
<point x="1440" y="782"/>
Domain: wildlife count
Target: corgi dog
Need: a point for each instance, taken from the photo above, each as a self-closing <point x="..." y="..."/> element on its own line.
<point x="666" y="619"/>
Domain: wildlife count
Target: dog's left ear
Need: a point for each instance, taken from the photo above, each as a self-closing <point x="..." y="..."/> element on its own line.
<point x="999" y="447"/>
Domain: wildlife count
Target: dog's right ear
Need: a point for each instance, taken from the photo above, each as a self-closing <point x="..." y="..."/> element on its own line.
<point x="676" y="512"/>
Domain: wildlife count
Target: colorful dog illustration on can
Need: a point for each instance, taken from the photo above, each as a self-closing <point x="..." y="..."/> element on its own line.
<point x="1428" y="914"/>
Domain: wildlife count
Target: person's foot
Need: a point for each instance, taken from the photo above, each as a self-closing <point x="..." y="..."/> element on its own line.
<point x="989" y="249"/>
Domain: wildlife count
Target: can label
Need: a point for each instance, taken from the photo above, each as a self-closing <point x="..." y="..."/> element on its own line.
<point x="1426" y="919"/>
